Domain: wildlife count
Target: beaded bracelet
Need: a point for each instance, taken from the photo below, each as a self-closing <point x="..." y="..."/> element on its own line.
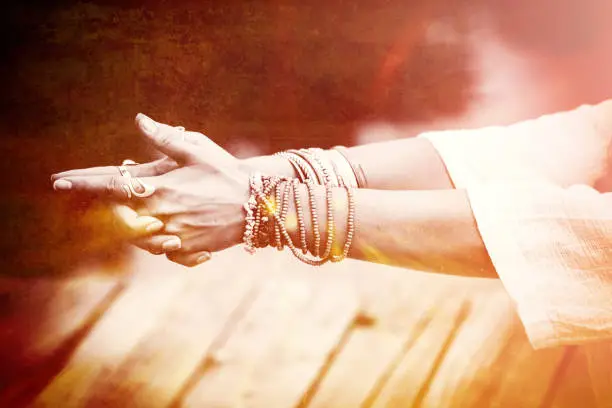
<point x="267" y="210"/>
<point x="300" y="216"/>
<point x="326" y="161"/>
<point x="351" y="215"/>
<point x="313" y="157"/>
<point x="264" y="224"/>
<point x="350" y="231"/>
<point x="314" y="214"/>
<point x="321" y="166"/>
<point x="257" y="194"/>
<point x="249" y="207"/>
<point x="302" y="166"/>
<point x="320" y="175"/>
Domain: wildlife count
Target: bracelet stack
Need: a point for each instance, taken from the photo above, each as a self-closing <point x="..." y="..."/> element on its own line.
<point x="326" y="166"/>
<point x="270" y="197"/>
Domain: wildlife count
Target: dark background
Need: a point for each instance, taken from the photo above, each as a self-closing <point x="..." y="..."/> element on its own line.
<point x="258" y="76"/>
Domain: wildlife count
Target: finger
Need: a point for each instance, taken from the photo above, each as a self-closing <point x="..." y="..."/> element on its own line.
<point x="207" y="148"/>
<point x="167" y="139"/>
<point x="195" y="138"/>
<point x="198" y="139"/>
<point x="135" y="224"/>
<point x="189" y="259"/>
<point x="203" y="236"/>
<point x="114" y="187"/>
<point x="159" y="244"/>
<point x="149" y="169"/>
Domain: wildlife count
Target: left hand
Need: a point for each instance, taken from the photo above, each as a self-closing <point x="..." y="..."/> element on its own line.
<point x="200" y="199"/>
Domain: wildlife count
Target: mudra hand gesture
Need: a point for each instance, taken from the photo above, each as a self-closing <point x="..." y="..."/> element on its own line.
<point x="198" y="190"/>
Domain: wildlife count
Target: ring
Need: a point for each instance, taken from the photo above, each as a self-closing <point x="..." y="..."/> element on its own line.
<point x="128" y="187"/>
<point x="124" y="171"/>
<point x="126" y="175"/>
<point x="147" y="190"/>
<point x="123" y="167"/>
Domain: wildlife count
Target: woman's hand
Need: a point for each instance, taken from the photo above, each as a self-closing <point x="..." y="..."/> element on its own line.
<point x="154" y="168"/>
<point x="199" y="199"/>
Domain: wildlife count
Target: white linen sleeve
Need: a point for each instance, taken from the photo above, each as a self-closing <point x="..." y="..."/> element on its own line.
<point x="552" y="249"/>
<point x="564" y="148"/>
<point x="548" y="233"/>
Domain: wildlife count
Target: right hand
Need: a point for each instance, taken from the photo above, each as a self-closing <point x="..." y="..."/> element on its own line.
<point x="144" y="230"/>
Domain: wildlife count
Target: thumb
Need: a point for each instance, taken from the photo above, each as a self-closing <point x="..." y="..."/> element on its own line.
<point x="167" y="139"/>
<point x="134" y="224"/>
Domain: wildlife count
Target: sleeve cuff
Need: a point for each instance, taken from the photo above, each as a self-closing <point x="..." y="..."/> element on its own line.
<point x="551" y="246"/>
<point x="552" y="249"/>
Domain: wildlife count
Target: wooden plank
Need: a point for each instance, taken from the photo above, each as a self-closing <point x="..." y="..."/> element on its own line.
<point x="42" y="321"/>
<point x="575" y="388"/>
<point x="527" y="377"/>
<point x="471" y="356"/>
<point x="364" y="359"/>
<point x="479" y="360"/>
<point x="133" y="315"/>
<point x="466" y="374"/>
<point x="278" y="349"/>
<point x="600" y="371"/>
<point x="424" y="352"/>
<point x="395" y="308"/>
<point x="491" y="362"/>
<point x="155" y="370"/>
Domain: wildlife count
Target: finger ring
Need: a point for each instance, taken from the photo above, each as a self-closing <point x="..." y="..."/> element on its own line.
<point x="147" y="190"/>
<point x="124" y="171"/>
<point x="130" y="182"/>
<point x="123" y="167"/>
<point x="127" y="190"/>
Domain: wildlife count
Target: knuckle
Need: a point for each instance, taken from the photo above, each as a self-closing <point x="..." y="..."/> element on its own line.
<point x="155" y="249"/>
<point x="154" y="207"/>
<point x="194" y="137"/>
<point x="163" y="166"/>
<point x="164" y="137"/>
<point x="162" y="187"/>
<point x="112" y="185"/>
<point x="188" y="246"/>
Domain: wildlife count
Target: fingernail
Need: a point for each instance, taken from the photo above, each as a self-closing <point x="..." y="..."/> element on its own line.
<point x="147" y="124"/>
<point x="204" y="257"/>
<point x="62" y="185"/>
<point x="155" y="226"/>
<point x="172" y="244"/>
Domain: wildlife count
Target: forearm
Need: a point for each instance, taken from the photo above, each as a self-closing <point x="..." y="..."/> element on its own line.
<point x="424" y="230"/>
<point x="405" y="164"/>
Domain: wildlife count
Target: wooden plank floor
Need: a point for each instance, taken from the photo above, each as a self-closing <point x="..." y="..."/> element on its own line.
<point x="266" y="331"/>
